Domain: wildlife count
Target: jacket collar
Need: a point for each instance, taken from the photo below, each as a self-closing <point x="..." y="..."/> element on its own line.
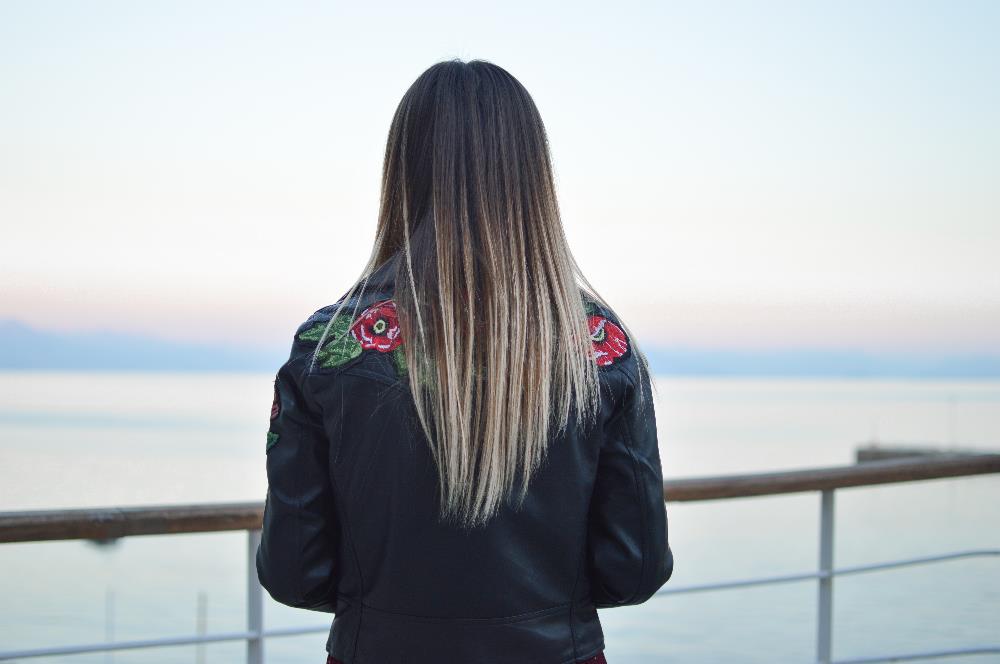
<point x="382" y="279"/>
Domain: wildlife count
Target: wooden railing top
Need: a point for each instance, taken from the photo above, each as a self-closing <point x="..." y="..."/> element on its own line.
<point x="113" y="522"/>
<point x="831" y="477"/>
<point x="102" y="523"/>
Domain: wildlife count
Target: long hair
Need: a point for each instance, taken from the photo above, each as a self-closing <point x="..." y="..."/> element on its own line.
<point x="487" y="293"/>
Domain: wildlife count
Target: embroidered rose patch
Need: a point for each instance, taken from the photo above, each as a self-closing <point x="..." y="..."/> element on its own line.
<point x="376" y="329"/>
<point x="276" y="403"/>
<point x="609" y="341"/>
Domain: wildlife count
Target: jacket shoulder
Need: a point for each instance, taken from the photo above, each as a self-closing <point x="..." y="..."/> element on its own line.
<point x="346" y="333"/>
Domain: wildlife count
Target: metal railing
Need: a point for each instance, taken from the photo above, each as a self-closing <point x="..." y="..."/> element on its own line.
<point x="111" y="523"/>
<point x="826" y="481"/>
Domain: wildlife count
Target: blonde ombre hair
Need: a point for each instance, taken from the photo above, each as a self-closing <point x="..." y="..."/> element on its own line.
<point x="488" y="295"/>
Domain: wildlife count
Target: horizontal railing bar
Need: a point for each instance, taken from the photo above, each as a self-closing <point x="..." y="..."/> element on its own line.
<point x="909" y="657"/>
<point x="155" y="643"/>
<point x="832" y="477"/>
<point x="973" y="553"/>
<point x="103" y="523"/>
<point x="740" y="583"/>
<point x="294" y="631"/>
<point x="839" y="571"/>
<point x="109" y="523"/>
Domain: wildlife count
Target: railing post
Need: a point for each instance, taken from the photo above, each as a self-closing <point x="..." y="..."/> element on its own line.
<point x="255" y="602"/>
<point x="824" y="631"/>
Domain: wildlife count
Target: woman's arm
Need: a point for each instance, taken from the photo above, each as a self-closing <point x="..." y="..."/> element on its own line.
<point x="628" y="548"/>
<point x="295" y="560"/>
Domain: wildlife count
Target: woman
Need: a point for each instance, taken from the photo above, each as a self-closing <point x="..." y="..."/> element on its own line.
<point x="462" y="458"/>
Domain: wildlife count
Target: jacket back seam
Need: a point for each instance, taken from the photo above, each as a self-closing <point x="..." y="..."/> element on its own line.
<point x="643" y="517"/>
<point x="345" y="522"/>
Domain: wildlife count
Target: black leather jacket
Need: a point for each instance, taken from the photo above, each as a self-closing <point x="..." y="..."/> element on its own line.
<point x="350" y="521"/>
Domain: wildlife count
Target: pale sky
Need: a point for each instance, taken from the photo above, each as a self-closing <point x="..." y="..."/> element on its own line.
<point x="730" y="173"/>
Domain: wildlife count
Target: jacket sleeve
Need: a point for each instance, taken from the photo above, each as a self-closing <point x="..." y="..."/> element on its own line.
<point x="628" y="549"/>
<point x="296" y="557"/>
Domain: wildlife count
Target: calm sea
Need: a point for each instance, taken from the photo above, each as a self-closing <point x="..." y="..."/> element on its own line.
<point x="109" y="439"/>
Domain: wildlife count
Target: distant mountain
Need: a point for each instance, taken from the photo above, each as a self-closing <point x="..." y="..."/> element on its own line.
<point x="25" y="347"/>
<point x="821" y="362"/>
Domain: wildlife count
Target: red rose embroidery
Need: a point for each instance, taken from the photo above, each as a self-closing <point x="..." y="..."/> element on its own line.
<point x="609" y="340"/>
<point x="276" y="403"/>
<point x="378" y="327"/>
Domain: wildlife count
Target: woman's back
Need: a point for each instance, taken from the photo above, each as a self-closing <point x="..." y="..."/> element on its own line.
<point x="454" y="484"/>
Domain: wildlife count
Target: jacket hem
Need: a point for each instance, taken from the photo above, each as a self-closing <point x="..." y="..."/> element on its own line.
<point x="362" y="634"/>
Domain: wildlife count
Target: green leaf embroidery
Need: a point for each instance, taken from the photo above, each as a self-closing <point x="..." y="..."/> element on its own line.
<point x="313" y="333"/>
<point x="272" y="439"/>
<point x="337" y="352"/>
<point x="339" y="348"/>
<point x="589" y="307"/>
<point x="399" y="359"/>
